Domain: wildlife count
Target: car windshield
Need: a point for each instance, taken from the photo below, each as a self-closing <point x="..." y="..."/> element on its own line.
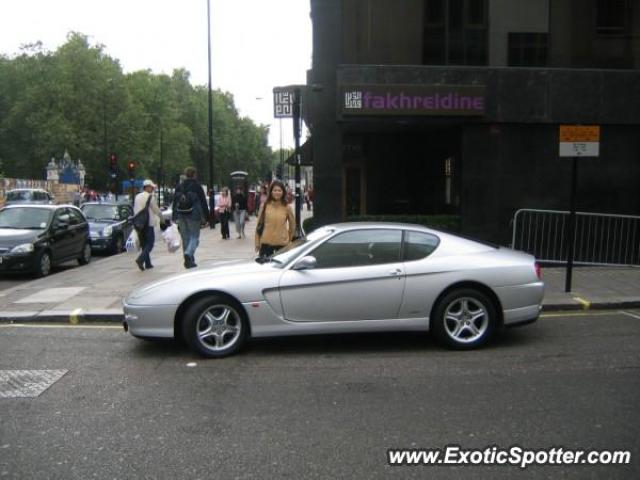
<point x="29" y="218"/>
<point x="100" y="212"/>
<point x="291" y="251"/>
<point x="18" y="195"/>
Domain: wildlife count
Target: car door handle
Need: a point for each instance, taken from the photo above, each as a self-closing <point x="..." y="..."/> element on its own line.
<point x="395" y="272"/>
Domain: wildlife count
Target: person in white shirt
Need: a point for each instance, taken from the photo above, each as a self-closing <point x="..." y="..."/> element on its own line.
<point x="146" y="199"/>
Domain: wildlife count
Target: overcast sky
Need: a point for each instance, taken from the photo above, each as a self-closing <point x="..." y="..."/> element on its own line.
<point x="257" y="44"/>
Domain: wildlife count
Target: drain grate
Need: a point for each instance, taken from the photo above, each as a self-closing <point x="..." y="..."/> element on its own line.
<point x="27" y="383"/>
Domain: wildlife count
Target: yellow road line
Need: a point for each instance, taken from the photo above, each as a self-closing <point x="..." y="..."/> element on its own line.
<point x="585" y="303"/>
<point x="73" y="316"/>
<point x="590" y="313"/>
<point x="45" y="325"/>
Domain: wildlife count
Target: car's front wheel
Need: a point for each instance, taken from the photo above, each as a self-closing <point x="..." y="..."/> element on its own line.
<point x="214" y="326"/>
<point x="118" y="244"/>
<point x="464" y="319"/>
<point x="85" y="257"/>
<point x="43" y="264"/>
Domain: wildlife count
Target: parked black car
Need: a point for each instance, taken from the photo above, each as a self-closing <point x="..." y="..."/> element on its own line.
<point x="33" y="238"/>
<point x="109" y="225"/>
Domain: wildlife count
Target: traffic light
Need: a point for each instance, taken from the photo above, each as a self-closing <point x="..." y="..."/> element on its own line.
<point x="113" y="161"/>
<point x="131" y="167"/>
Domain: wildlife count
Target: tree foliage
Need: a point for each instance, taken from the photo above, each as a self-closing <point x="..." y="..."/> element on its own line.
<point x="78" y="98"/>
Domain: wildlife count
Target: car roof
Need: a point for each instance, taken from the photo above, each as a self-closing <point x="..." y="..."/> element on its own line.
<point x="37" y="205"/>
<point x="27" y="190"/>
<point x="368" y="225"/>
<point x="108" y="204"/>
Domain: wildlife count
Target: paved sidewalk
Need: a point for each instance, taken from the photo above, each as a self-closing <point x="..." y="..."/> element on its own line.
<point x="94" y="292"/>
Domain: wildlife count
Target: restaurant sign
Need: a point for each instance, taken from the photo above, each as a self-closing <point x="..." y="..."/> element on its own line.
<point x="412" y="100"/>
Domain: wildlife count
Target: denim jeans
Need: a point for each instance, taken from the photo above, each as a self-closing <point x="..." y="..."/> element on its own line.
<point x="146" y="242"/>
<point x="190" y="233"/>
<point x="240" y="216"/>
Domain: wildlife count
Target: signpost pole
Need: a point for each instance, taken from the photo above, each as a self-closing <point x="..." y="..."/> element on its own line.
<point x="296" y="135"/>
<point x="571" y="235"/>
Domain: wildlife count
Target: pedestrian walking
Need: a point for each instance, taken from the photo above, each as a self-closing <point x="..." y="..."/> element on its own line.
<point x="212" y="209"/>
<point x="191" y="212"/>
<point x="239" y="211"/>
<point x="276" y="222"/>
<point x="224" y="212"/>
<point x="145" y="200"/>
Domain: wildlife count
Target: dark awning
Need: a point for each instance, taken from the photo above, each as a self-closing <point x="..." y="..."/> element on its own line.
<point x="306" y="155"/>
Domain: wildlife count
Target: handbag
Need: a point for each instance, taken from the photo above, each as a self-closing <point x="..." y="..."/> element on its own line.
<point x="260" y="225"/>
<point x="141" y="219"/>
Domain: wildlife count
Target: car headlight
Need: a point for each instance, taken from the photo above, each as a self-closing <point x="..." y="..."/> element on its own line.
<point x="107" y="231"/>
<point x="22" y="248"/>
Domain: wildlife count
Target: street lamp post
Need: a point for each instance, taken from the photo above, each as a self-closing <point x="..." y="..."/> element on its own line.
<point x="210" y="101"/>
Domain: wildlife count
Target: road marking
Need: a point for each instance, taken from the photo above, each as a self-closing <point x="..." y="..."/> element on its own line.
<point x="44" y="325"/>
<point x="631" y="315"/>
<point x="590" y="313"/>
<point x="585" y="303"/>
<point x="73" y="316"/>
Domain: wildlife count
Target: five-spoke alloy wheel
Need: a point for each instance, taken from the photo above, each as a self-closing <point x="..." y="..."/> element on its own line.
<point x="464" y="319"/>
<point x="214" y="326"/>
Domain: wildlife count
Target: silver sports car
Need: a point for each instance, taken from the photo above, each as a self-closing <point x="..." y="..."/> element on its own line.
<point x="350" y="277"/>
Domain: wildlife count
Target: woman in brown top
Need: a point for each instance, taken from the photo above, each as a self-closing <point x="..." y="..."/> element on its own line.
<point x="277" y="221"/>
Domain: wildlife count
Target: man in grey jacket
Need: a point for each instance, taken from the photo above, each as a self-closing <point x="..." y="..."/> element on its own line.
<point x="146" y="199"/>
<point x="191" y="212"/>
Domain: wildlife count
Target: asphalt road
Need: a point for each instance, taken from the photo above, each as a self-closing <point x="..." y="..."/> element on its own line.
<point x="320" y="407"/>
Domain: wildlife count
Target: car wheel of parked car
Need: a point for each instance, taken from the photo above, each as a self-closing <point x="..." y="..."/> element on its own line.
<point x="86" y="255"/>
<point x="118" y="244"/>
<point x="214" y="326"/>
<point x="43" y="264"/>
<point x="464" y="319"/>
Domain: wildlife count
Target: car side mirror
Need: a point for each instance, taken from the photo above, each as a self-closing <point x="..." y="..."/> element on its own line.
<point x="306" y="263"/>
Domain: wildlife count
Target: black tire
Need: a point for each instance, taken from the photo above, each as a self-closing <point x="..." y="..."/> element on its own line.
<point x="43" y="264"/>
<point x="464" y="319"/>
<point x="220" y="333"/>
<point x="85" y="255"/>
<point x="118" y="245"/>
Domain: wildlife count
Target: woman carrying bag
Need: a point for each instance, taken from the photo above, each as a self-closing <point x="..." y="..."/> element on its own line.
<point x="224" y="210"/>
<point x="276" y="222"/>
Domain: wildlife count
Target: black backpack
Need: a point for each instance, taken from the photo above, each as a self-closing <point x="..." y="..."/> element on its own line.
<point x="185" y="202"/>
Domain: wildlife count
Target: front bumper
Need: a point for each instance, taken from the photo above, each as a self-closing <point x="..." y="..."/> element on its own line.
<point x="101" y="244"/>
<point x="149" y="321"/>
<point x="24" y="262"/>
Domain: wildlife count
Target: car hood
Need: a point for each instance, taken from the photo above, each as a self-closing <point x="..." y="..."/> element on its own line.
<point x="12" y="236"/>
<point x="201" y="276"/>
<point x="100" y="224"/>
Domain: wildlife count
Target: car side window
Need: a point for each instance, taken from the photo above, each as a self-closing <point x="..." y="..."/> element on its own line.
<point x="418" y="245"/>
<point x="76" y="217"/>
<point x="359" y="248"/>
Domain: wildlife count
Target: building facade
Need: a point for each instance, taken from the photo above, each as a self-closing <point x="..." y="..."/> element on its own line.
<point x="454" y="107"/>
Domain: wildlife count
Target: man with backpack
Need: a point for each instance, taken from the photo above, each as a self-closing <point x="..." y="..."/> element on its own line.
<point x="146" y="217"/>
<point x="191" y="212"/>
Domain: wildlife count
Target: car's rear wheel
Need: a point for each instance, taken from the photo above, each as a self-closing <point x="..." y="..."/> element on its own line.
<point x="85" y="257"/>
<point x="43" y="264"/>
<point x="464" y="319"/>
<point x="214" y="326"/>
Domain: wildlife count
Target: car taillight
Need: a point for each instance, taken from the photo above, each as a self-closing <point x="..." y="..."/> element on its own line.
<point x="538" y="270"/>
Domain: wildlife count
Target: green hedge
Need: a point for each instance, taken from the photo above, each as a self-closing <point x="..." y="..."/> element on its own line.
<point x="442" y="222"/>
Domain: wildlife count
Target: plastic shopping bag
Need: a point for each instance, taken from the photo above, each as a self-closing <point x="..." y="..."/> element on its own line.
<point x="133" y="242"/>
<point x="172" y="238"/>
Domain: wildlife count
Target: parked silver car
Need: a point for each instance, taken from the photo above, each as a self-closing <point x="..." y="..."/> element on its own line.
<point x="32" y="196"/>
<point x="357" y="277"/>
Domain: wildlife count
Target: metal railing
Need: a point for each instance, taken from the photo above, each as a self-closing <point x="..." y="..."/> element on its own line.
<point x="600" y="239"/>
